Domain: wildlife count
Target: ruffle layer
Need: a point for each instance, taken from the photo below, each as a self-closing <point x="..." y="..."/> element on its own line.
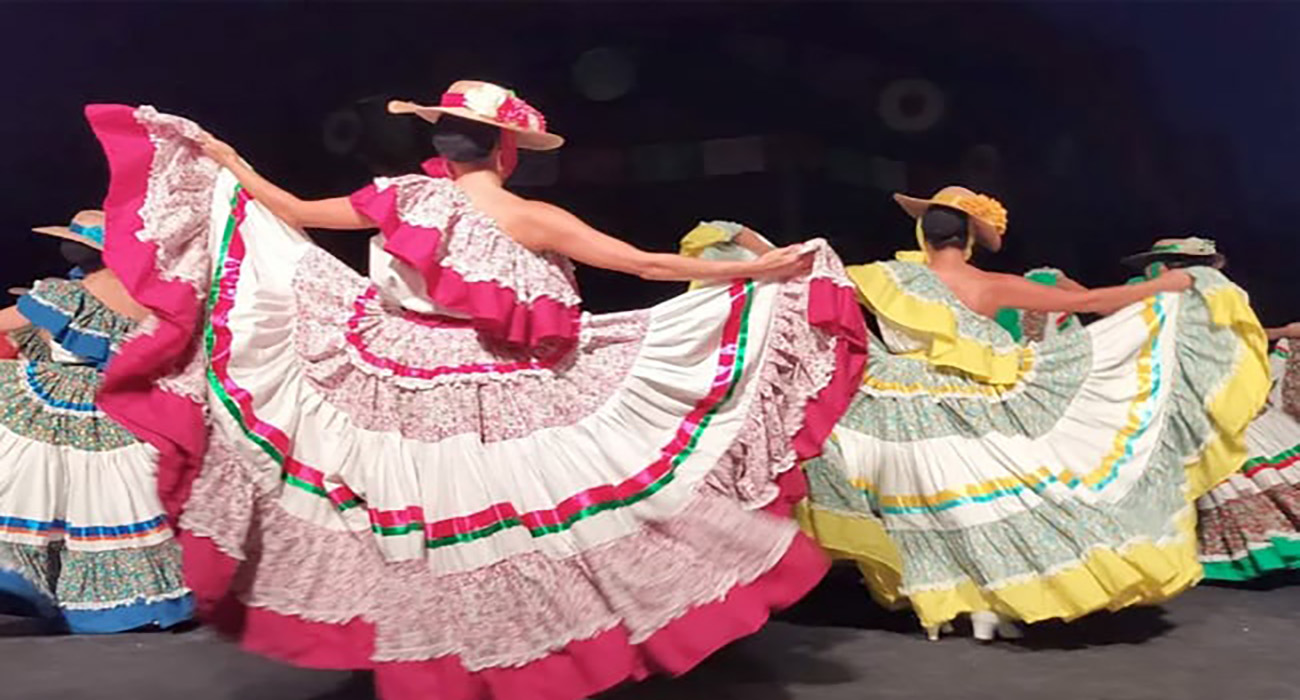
<point x="28" y="344"/>
<point x="512" y="612"/>
<point x="1250" y="523"/>
<point x="75" y="319"/>
<point x="1236" y="399"/>
<point x="882" y="288"/>
<point x="54" y="403"/>
<point x="100" y="592"/>
<point x="155" y="241"/>
<point x="545" y="326"/>
<point x="1250" y="532"/>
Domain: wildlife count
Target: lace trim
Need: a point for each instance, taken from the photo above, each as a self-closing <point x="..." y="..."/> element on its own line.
<point x="799" y="364"/>
<point x="141" y="600"/>
<point x="177" y="200"/>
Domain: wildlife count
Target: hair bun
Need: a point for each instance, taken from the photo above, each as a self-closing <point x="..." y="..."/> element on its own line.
<point x="464" y="141"/>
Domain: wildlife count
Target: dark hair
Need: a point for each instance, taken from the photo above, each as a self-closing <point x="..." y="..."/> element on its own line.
<point x="82" y="256"/>
<point x="944" y="227"/>
<point x="464" y="140"/>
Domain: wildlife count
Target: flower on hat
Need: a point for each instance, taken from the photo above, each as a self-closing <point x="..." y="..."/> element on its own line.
<point x="986" y="208"/>
<point x="485" y="99"/>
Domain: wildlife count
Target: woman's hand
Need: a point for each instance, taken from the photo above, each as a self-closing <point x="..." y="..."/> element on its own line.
<point x="781" y="263"/>
<point x="1174" y="281"/>
<point x="219" y="150"/>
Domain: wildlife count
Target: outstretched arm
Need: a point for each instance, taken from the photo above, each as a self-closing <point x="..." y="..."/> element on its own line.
<point x="336" y="213"/>
<point x="1290" y="330"/>
<point x="554" y="229"/>
<point x="1069" y="285"/>
<point x="1010" y="291"/>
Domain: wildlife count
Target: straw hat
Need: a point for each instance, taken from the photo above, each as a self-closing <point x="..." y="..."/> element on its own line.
<point x="87" y="227"/>
<point x="1178" y="247"/>
<point x="988" y="218"/>
<point x="489" y="104"/>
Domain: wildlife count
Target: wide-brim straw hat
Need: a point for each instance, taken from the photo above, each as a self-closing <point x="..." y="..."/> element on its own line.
<point x="87" y="227"/>
<point x="488" y="104"/>
<point x="987" y="216"/>
<point x="1178" y="247"/>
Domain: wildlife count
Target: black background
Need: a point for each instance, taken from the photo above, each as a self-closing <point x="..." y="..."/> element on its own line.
<point x="1090" y="155"/>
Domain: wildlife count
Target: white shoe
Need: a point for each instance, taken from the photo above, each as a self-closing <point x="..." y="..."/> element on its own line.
<point x="988" y="626"/>
<point x="932" y="633"/>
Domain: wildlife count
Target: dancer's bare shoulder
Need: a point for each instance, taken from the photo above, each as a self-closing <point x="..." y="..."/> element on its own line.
<point x="542" y="225"/>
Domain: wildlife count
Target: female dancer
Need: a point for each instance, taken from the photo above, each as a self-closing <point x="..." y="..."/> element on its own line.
<point x="82" y="532"/>
<point x="1249" y="524"/>
<point x="447" y="472"/>
<point x="977" y="475"/>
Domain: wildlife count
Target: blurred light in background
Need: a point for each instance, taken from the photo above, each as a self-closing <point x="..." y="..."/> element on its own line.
<point x="911" y="105"/>
<point x="604" y="74"/>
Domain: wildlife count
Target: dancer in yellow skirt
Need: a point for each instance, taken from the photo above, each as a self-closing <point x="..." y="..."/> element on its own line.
<point x="974" y="474"/>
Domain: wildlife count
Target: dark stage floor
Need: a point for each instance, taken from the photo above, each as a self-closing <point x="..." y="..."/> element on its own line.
<point x="1212" y="644"/>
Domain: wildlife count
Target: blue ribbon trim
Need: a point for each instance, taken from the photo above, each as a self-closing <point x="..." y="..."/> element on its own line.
<point x="95" y="349"/>
<point x="34" y="383"/>
<point x="94" y="233"/>
<point x="11" y="522"/>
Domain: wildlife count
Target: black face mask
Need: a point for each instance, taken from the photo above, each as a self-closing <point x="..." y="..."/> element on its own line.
<point x="82" y="256"/>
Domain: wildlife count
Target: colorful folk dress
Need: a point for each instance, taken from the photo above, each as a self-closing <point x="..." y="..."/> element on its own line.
<point x="82" y="533"/>
<point x="1250" y="524"/>
<point x="1044" y="480"/>
<point x="446" y="471"/>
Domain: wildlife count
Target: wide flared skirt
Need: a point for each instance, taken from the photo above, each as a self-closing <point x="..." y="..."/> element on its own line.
<point x="1070" y="491"/>
<point x="362" y="487"/>
<point x="83" y="536"/>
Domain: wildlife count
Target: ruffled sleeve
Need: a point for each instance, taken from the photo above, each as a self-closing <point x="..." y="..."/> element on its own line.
<point x="513" y="296"/>
<point x="75" y="320"/>
<point x="893" y="292"/>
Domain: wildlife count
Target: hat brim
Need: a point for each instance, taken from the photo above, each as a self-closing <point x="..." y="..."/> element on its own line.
<point x="525" y="139"/>
<point x="66" y="233"/>
<point x="1141" y="260"/>
<point x="986" y="234"/>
